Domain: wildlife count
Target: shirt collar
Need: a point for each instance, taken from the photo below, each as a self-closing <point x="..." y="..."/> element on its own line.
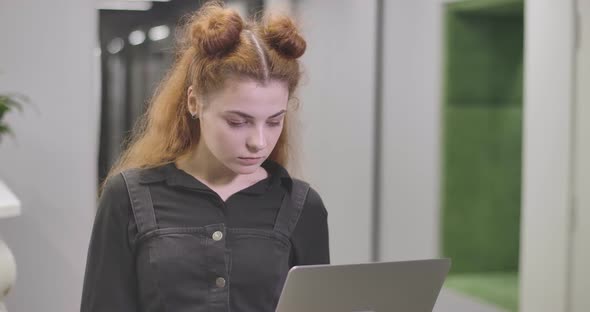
<point x="177" y="177"/>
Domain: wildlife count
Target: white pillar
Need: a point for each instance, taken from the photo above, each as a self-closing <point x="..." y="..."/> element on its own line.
<point x="411" y="125"/>
<point x="547" y="156"/>
<point x="337" y="116"/>
<point x="580" y="272"/>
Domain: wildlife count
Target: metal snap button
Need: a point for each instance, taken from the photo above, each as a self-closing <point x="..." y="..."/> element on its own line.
<point x="217" y="236"/>
<point x="220" y="282"/>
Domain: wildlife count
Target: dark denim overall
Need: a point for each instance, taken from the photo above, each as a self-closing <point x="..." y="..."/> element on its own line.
<point x="191" y="269"/>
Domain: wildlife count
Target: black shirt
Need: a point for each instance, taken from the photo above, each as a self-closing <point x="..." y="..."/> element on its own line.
<point x="180" y="200"/>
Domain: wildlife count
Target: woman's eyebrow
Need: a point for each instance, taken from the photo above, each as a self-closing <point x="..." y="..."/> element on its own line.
<point x="278" y="114"/>
<point x="242" y="114"/>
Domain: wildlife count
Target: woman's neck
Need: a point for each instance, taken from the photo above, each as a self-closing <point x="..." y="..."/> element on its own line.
<point x="204" y="166"/>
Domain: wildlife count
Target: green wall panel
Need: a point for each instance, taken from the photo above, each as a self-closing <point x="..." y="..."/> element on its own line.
<point x="482" y="188"/>
<point x="482" y="126"/>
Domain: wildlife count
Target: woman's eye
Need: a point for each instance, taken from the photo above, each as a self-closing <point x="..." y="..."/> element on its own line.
<point x="274" y="123"/>
<point x="236" y="123"/>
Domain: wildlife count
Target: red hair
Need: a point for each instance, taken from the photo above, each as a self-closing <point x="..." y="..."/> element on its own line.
<point x="215" y="44"/>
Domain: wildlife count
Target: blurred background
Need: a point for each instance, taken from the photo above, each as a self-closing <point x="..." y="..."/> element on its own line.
<point x="431" y="128"/>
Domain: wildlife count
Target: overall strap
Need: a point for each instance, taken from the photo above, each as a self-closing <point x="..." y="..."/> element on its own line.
<point x="141" y="202"/>
<point x="291" y="207"/>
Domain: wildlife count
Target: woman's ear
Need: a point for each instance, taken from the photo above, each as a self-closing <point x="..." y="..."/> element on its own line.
<point x="192" y="103"/>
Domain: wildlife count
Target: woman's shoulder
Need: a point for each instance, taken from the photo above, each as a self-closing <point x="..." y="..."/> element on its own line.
<point x="117" y="184"/>
<point x="113" y="202"/>
<point x="145" y="175"/>
<point x="313" y="201"/>
<point x="114" y="185"/>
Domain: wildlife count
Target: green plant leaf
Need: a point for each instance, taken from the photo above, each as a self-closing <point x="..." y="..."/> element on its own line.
<point x="4" y="129"/>
<point x="8" y="102"/>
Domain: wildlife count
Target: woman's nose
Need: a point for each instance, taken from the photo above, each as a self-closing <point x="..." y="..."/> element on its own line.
<point x="257" y="140"/>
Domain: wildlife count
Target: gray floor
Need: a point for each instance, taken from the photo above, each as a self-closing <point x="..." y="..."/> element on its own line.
<point x="451" y="301"/>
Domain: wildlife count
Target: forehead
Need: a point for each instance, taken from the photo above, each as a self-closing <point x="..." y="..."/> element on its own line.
<point x="248" y="95"/>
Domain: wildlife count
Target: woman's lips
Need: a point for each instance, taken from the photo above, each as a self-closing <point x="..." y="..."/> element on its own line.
<point x="249" y="160"/>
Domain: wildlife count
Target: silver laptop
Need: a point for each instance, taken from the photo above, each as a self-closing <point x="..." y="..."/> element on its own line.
<point x="407" y="286"/>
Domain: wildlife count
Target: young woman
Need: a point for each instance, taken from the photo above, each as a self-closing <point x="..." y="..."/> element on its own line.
<point x="200" y="214"/>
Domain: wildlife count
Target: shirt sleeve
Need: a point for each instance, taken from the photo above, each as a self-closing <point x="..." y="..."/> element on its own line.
<point x="310" y="237"/>
<point x="110" y="282"/>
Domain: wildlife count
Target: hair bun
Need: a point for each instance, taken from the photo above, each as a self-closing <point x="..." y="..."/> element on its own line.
<point x="216" y="30"/>
<point x="281" y="34"/>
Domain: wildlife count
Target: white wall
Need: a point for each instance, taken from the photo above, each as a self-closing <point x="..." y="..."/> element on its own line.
<point x="338" y="104"/>
<point x="411" y="129"/>
<point x="47" y="53"/>
<point x="337" y="98"/>
<point x="580" y="301"/>
<point x="547" y="168"/>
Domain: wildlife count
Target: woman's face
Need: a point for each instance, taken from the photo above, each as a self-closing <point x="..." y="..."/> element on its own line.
<point x="241" y="124"/>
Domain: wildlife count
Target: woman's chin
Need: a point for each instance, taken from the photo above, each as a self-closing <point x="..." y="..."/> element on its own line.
<point x="244" y="169"/>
